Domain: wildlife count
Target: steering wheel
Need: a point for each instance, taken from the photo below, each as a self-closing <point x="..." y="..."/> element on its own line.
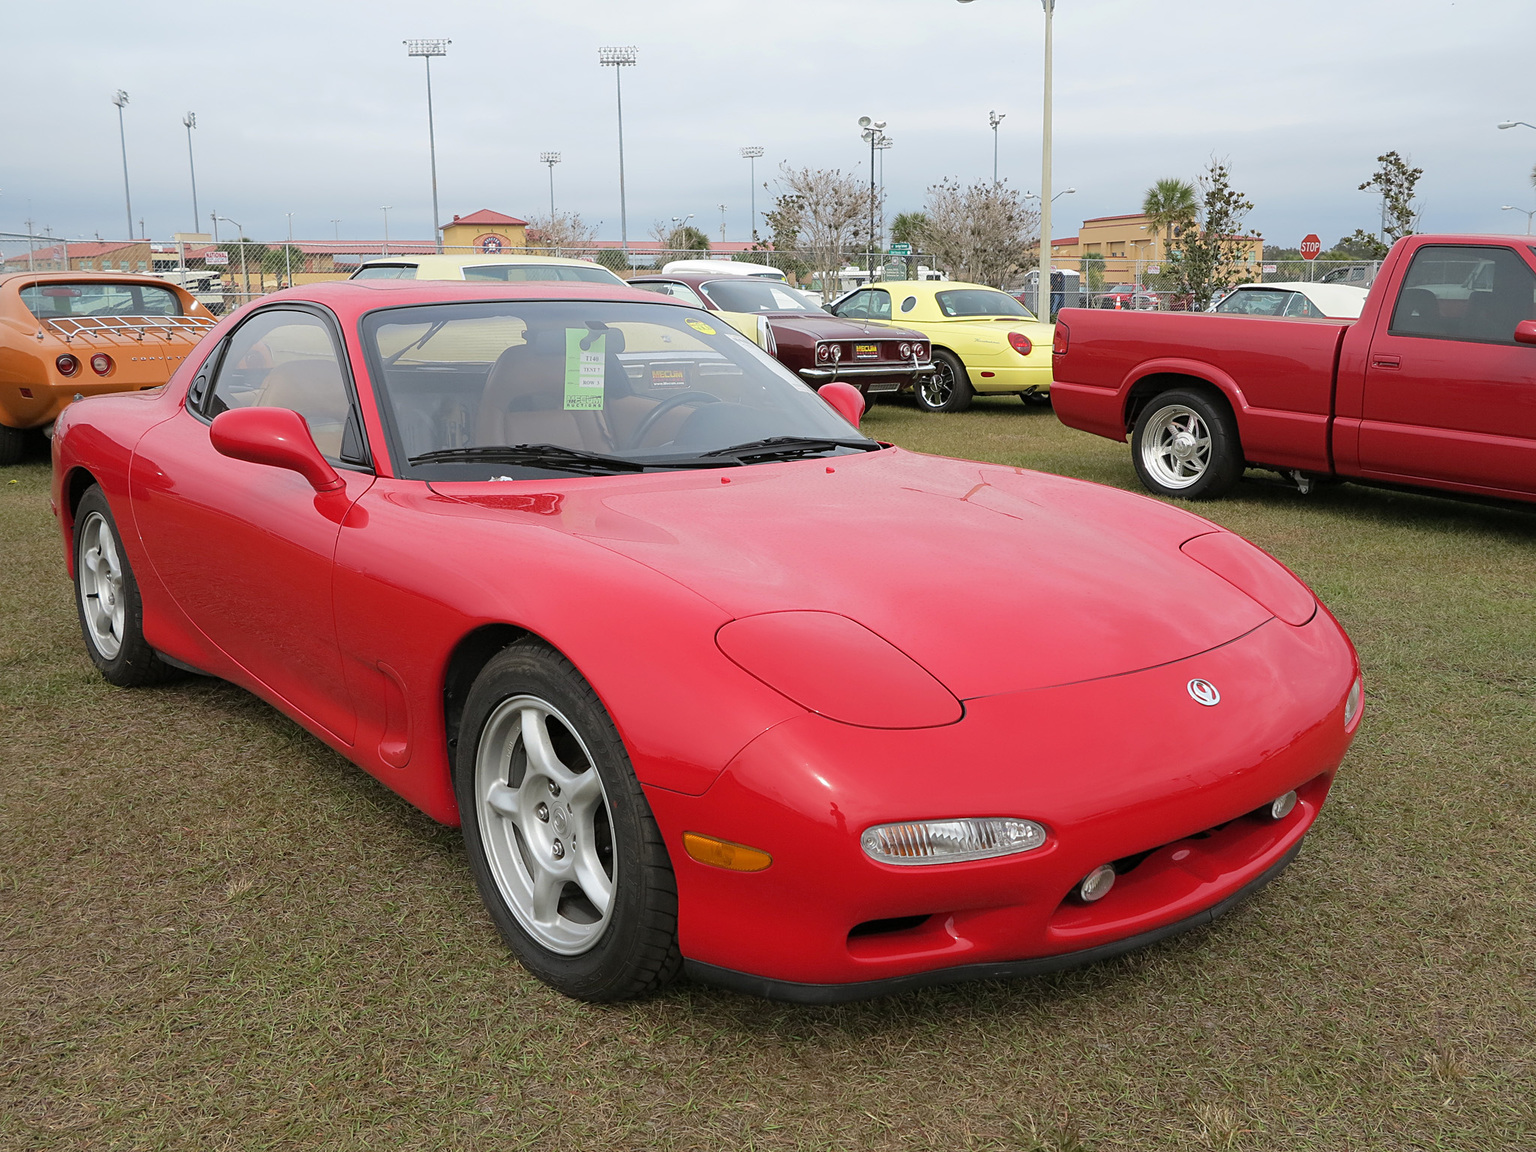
<point x="662" y="409"/>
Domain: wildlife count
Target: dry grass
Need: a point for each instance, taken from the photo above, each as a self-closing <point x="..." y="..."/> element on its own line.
<point x="214" y="933"/>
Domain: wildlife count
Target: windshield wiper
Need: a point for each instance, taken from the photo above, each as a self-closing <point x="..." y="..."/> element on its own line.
<point x="789" y="446"/>
<point x="534" y="455"/>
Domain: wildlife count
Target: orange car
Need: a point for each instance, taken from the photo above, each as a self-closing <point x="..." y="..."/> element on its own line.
<point x="64" y="335"/>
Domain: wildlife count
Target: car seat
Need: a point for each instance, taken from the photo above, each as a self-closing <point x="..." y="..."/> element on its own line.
<point x="315" y="390"/>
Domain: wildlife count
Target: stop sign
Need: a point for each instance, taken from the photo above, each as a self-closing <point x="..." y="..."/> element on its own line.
<point x="1310" y="247"/>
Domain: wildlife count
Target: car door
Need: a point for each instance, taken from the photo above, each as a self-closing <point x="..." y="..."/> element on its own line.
<point x="1449" y="396"/>
<point x="246" y="550"/>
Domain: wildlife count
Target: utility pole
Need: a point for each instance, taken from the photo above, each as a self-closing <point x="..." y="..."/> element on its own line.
<point x="722" y="223"/>
<point x="427" y="49"/>
<point x="995" y="118"/>
<point x="1043" y="290"/>
<point x="336" y="230"/>
<point x="288" y="253"/>
<point x="751" y="155"/>
<point x="120" y="98"/>
<point x="550" y="158"/>
<point x="384" y="208"/>
<point x="619" y="59"/>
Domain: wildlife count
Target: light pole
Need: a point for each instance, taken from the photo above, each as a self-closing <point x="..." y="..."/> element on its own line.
<point x="384" y="208"/>
<point x="722" y="222"/>
<point x="1516" y="124"/>
<point x="336" y="230"/>
<point x="994" y="119"/>
<point x="620" y="58"/>
<point x="1528" y="215"/>
<point x="550" y="158"/>
<point x="871" y="130"/>
<point x="427" y="49"/>
<point x="678" y="224"/>
<point x="190" y="121"/>
<point x="288" y="254"/>
<point x="120" y="98"/>
<point x="240" y="232"/>
<point x="883" y="145"/>
<point x="751" y="154"/>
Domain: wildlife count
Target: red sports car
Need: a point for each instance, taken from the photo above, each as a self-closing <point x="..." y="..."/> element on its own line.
<point x="713" y="682"/>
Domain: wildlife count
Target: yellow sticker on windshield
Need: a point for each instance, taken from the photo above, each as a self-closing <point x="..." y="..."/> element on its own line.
<point x="700" y="326"/>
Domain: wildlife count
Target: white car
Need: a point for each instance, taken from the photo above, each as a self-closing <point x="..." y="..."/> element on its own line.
<point x="1297" y="298"/>
<point x="500" y="268"/>
<point x="722" y="268"/>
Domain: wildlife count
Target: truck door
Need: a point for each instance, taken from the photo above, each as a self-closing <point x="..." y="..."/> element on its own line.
<point x="1450" y="398"/>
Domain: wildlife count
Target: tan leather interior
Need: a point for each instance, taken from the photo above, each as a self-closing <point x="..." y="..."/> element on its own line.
<point x="315" y="390"/>
<point x="524" y="402"/>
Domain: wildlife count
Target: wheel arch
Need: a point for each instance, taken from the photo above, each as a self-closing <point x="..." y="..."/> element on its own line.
<point x="472" y="653"/>
<point x="1217" y="386"/>
<point x="76" y="484"/>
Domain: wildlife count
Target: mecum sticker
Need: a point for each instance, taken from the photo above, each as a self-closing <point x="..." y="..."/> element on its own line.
<point x="585" y="366"/>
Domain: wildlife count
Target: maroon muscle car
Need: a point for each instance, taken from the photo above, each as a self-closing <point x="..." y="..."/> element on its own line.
<point x="805" y="339"/>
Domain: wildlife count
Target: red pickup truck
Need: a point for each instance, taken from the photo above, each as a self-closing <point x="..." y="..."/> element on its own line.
<point x="1433" y="387"/>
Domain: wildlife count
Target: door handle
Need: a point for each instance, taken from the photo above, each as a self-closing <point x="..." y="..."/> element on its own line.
<point x="1386" y="362"/>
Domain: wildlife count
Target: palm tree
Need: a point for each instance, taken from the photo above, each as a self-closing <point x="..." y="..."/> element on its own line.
<point x="1168" y="202"/>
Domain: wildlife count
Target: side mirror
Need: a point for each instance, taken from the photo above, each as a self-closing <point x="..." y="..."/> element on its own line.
<point x="1525" y="332"/>
<point x="845" y="398"/>
<point x="278" y="437"/>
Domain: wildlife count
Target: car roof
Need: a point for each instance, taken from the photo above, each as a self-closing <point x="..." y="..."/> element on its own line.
<point x="355" y="297"/>
<point x="433" y="265"/>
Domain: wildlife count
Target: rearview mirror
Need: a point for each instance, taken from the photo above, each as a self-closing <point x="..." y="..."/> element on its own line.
<point x="1525" y="332"/>
<point x="845" y="398"/>
<point x="277" y="437"/>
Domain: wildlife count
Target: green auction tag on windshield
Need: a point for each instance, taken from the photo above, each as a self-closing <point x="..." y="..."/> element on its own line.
<point x="585" y="366"/>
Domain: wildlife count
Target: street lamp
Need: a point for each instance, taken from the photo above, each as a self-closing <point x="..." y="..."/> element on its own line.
<point x="872" y="130"/>
<point x="995" y="118"/>
<point x="1042" y="290"/>
<point x="120" y="98"/>
<point x="751" y="154"/>
<point x="550" y="158"/>
<point x="678" y="224"/>
<point x="722" y="222"/>
<point x="190" y="122"/>
<point x="1516" y="124"/>
<point x="384" y="208"/>
<point x="427" y="49"/>
<point x="240" y="232"/>
<point x="1528" y="215"/>
<point x="336" y="230"/>
<point x="620" y="58"/>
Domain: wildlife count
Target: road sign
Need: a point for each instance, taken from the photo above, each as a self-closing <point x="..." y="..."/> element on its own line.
<point x="216" y="257"/>
<point x="1310" y="247"/>
<point x="901" y="248"/>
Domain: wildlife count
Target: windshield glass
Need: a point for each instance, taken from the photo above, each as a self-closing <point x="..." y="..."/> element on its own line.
<point x="1255" y="302"/>
<point x="652" y="384"/>
<point x="519" y="273"/>
<point x="95" y="298"/>
<point x="385" y="272"/>
<point x="980" y="302"/>
<point x="752" y="295"/>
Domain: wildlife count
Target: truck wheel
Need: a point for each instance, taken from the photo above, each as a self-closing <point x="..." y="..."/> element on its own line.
<point x="947" y="388"/>
<point x="1186" y="445"/>
<point x="13" y="445"/>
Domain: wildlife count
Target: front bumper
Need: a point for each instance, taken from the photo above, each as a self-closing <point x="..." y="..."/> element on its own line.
<point x="1126" y="769"/>
<point x="870" y="377"/>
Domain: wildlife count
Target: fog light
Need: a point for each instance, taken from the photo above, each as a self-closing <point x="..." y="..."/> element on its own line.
<point x="951" y="841"/>
<point x="1352" y="703"/>
<point x="1096" y="885"/>
<point x="1281" y="806"/>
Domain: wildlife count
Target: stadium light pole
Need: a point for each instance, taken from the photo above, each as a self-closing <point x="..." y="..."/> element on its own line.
<point x="1042" y="292"/>
<point x="995" y="118"/>
<point x="120" y="98"/>
<point x="427" y="49"/>
<point x="190" y="122"/>
<point x="550" y="158"/>
<point x="722" y="222"/>
<point x="620" y="58"/>
<point x="871" y="130"/>
<point x="751" y="155"/>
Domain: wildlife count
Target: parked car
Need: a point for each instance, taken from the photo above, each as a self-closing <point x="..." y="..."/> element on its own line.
<point x="1132" y="296"/>
<point x="802" y="335"/>
<point x="1359" y="275"/>
<point x="1429" y="388"/>
<point x="64" y="335"/>
<point x="647" y="635"/>
<point x="721" y="268"/>
<point x="508" y="269"/>
<point x="1296" y="299"/>
<point x="984" y="341"/>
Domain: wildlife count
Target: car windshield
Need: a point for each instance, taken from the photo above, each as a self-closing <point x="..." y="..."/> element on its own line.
<point x="98" y="298"/>
<point x="748" y="294"/>
<point x="520" y="273"/>
<point x="584" y="386"/>
<point x="980" y="302"/>
<point x="1255" y="302"/>
<point x="385" y="272"/>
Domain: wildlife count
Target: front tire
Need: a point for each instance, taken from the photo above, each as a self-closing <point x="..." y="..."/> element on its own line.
<point x="107" y="599"/>
<point x="1186" y="445"/>
<point x="561" y="842"/>
<point x="947" y="388"/>
<point x="13" y="445"/>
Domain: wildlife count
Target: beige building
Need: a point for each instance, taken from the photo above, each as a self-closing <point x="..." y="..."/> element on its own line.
<point x="1130" y="247"/>
<point x="485" y="231"/>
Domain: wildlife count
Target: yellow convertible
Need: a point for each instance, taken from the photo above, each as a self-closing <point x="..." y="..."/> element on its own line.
<point x="983" y="340"/>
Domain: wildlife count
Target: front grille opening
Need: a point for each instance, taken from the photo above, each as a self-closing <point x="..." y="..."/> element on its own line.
<point x="887" y="926"/>
<point x="1129" y="863"/>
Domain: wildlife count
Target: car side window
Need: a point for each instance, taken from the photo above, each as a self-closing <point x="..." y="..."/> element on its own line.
<point x="674" y="289"/>
<point x="1299" y="305"/>
<point x="856" y="307"/>
<point x="879" y="304"/>
<point x="284" y="358"/>
<point x="1472" y="293"/>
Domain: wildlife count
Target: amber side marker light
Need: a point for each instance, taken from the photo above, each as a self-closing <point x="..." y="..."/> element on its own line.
<point x="724" y="854"/>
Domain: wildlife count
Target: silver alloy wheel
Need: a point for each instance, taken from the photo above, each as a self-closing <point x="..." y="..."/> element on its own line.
<point x="545" y="826"/>
<point x="937" y="386"/>
<point x="100" y="581"/>
<point x="1176" y="446"/>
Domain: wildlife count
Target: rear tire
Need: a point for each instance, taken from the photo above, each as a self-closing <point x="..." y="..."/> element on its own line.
<point x="107" y="599"/>
<point x="13" y="445"/>
<point x="947" y="388"/>
<point x="1186" y="445"/>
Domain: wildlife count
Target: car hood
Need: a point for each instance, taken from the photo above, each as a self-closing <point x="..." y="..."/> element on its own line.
<point x="993" y="579"/>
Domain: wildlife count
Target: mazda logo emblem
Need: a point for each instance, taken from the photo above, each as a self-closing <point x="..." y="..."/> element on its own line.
<point x="1203" y="692"/>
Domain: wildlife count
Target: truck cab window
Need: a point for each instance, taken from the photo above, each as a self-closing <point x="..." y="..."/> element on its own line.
<point x="1471" y="293"/>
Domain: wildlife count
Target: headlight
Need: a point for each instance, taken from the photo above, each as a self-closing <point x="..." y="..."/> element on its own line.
<point x="1255" y="573"/>
<point x="1352" y="703"/>
<point x="950" y="841"/>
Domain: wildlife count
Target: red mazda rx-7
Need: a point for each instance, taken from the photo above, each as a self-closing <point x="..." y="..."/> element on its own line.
<point x="712" y="682"/>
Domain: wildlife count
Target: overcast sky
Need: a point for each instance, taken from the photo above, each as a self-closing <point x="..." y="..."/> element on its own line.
<point x="314" y="108"/>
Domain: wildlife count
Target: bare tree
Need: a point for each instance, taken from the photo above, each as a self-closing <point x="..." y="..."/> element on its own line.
<point x="560" y="231"/>
<point x="819" y="211"/>
<point x="982" y="233"/>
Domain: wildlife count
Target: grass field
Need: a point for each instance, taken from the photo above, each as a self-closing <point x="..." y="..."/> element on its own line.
<point x="215" y="933"/>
